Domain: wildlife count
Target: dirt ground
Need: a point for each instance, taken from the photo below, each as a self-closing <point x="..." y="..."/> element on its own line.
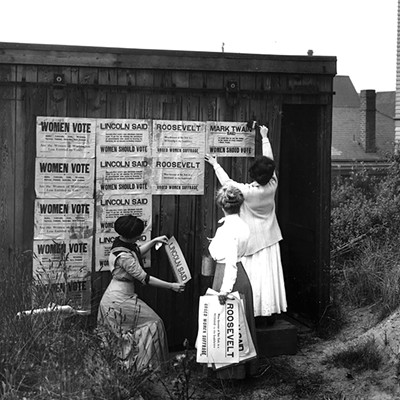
<point x="308" y="375"/>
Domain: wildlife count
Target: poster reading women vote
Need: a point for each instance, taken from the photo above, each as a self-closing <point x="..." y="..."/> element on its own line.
<point x="63" y="219"/>
<point x="230" y="139"/>
<point x="178" y="150"/>
<point x="64" y="177"/>
<point x="54" y="258"/>
<point x="65" y="137"/>
<point x="123" y="156"/>
<point x="66" y="266"/>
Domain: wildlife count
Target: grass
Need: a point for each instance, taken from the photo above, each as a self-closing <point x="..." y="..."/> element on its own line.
<point x="359" y="357"/>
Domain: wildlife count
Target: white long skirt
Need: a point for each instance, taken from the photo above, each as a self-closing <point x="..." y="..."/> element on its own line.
<point x="265" y="273"/>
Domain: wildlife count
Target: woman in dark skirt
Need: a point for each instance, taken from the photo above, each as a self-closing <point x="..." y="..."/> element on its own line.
<point x="227" y="248"/>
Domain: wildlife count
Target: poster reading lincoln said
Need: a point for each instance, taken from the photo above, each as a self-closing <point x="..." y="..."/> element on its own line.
<point x="230" y="139"/>
<point x="65" y="137"/>
<point x="123" y="157"/>
<point x="108" y="209"/>
<point x="178" y="150"/>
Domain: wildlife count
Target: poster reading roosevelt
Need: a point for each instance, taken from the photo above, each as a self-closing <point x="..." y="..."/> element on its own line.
<point x="230" y="139"/>
<point x="65" y="137"/>
<point x="178" y="150"/>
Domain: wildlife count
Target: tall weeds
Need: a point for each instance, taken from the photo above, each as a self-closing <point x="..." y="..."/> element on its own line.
<point x="365" y="232"/>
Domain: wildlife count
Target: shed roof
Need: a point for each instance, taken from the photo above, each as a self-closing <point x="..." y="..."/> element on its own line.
<point x="44" y="54"/>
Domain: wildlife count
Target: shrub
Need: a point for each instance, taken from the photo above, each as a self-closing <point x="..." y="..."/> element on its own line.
<point x="365" y="222"/>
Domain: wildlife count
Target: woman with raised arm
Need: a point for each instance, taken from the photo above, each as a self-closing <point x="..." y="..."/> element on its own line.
<point x="262" y="260"/>
<point x="139" y="332"/>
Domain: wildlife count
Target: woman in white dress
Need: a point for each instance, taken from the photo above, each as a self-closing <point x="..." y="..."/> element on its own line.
<point x="262" y="260"/>
<point x="227" y="249"/>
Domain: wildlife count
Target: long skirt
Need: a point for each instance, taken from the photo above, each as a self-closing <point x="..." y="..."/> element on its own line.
<point x="243" y="286"/>
<point x="264" y="270"/>
<point x="139" y="333"/>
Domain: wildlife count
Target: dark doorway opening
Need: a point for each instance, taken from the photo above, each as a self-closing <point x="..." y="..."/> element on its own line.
<point x="297" y="208"/>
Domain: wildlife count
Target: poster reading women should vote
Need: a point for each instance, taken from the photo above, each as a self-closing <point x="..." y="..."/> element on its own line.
<point x="64" y="177"/>
<point x="178" y="150"/>
<point x="123" y="154"/>
<point x="59" y="137"/>
<point x="230" y="139"/>
<point x="63" y="218"/>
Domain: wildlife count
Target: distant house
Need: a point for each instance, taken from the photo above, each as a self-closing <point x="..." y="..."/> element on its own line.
<point x="363" y="127"/>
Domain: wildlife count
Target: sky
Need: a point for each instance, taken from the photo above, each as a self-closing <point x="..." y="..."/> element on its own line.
<point x="362" y="34"/>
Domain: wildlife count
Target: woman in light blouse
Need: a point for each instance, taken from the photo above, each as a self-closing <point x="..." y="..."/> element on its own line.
<point x="262" y="260"/>
<point x="140" y="335"/>
<point x="227" y="248"/>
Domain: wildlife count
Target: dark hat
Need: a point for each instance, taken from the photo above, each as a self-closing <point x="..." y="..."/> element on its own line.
<point x="129" y="226"/>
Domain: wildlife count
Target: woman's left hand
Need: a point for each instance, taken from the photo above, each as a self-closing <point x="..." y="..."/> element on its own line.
<point x="161" y="239"/>
<point x="222" y="297"/>
<point x="210" y="159"/>
<point x="178" y="287"/>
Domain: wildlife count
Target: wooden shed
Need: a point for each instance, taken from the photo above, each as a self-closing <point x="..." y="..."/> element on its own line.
<point x="292" y="94"/>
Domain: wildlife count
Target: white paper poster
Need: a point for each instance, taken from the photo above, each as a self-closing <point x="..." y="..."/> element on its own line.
<point x="63" y="218"/>
<point x="230" y="139"/>
<point x="64" y="178"/>
<point x="70" y="258"/>
<point x="116" y="175"/>
<point x="178" y="149"/>
<point x="218" y="333"/>
<point x="109" y="208"/>
<point x="59" y="137"/>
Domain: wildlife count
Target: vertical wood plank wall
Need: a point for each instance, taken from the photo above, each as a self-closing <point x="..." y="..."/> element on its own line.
<point x="27" y="91"/>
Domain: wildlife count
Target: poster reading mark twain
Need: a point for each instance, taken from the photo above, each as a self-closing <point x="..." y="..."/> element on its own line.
<point x="178" y="149"/>
<point x="64" y="178"/>
<point x="104" y="243"/>
<point x="230" y="139"/>
<point x="63" y="218"/>
<point x="65" y="137"/>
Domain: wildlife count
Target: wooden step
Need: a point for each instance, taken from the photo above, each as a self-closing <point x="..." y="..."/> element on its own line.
<point x="277" y="339"/>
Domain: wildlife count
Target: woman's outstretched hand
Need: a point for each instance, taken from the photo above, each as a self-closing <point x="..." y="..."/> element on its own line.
<point x="264" y="131"/>
<point x="161" y="239"/>
<point x="178" y="287"/>
<point x="210" y="159"/>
